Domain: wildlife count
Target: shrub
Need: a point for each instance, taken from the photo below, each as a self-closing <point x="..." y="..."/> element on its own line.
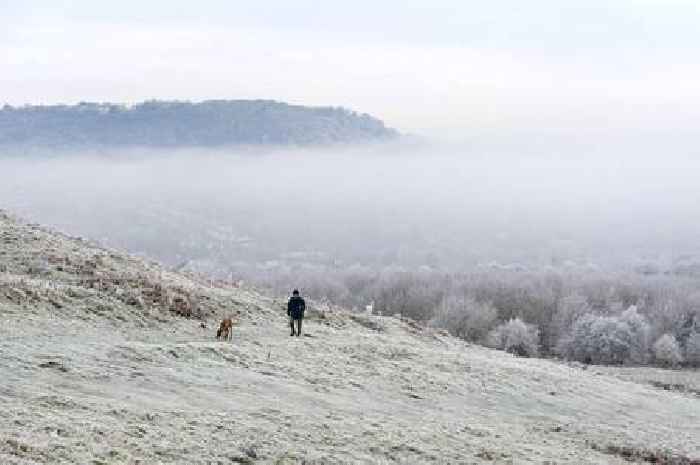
<point x="466" y="318"/>
<point x="515" y="337"/>
<point x="667" y="352"/>
<point x="415" y="296"/>
<point x="640" y="335"/>
<point x="570" y="309"/>
<point x="692" y="349"/>
<point x="607" y="339"/>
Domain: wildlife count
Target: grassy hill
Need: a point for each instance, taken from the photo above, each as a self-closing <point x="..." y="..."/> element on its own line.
<point x="106" y="358"/>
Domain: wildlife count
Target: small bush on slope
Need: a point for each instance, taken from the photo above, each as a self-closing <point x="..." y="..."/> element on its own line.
<point x="515" y="337"/>
<point x="667" y="352"/>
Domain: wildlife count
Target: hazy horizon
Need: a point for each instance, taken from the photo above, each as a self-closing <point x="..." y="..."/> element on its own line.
<point x="446" y="69"/>
<point x="542" y="123"/>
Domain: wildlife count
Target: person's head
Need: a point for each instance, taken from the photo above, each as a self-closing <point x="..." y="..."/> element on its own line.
<point x="295" y="292"/>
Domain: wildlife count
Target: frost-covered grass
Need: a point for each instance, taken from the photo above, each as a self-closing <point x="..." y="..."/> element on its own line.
<point x="680" y="380"/>
<point x="80" y="391"/>
<point x="89" y="377"/>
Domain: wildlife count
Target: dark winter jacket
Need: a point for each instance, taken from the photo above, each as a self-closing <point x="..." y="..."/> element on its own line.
<point x="296" y="307"/>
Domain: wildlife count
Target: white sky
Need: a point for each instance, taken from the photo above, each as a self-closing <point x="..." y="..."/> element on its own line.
<point x="436" y="67"/>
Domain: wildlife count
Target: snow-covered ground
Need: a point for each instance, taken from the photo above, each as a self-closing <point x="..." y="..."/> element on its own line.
<point x="98" y="374"/>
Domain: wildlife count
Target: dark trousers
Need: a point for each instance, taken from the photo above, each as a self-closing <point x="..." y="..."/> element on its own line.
<point x="298" y="322"/>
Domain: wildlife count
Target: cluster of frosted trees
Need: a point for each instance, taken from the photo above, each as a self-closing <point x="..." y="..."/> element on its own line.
<point x="580" y="328"/>
<point x="625" y="338"/>
<point x="591" y="317"/>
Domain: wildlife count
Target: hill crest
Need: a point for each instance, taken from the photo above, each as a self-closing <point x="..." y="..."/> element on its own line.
<point x="210" y="123"/>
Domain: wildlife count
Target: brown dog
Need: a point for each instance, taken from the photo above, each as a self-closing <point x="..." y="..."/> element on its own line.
<point x="225" y="330"/>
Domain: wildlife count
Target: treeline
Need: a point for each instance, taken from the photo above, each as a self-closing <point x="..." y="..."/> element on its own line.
<point x="591" y="317"/>
<point x="185" y="124"/>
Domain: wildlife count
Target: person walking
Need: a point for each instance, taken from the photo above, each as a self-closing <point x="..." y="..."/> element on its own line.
<point x="295" y="310"/>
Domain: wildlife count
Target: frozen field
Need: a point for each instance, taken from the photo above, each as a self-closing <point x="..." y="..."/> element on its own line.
<point x="98" y="374"/>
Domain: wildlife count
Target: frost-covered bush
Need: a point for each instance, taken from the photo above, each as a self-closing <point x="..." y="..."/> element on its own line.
<point x="412" y="295"/>
<point x="608" y="339"/>
<point x="570" y="309"/>
<point x="640" y="335"/>
<point x="515" y="337"/>
<point x="692" y="349"/>
<point x="596" y="339"/>
<point x="667" y="352"/>
<point x="465" y="318"/>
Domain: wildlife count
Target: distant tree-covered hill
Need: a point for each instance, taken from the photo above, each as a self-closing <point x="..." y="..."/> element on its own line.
<point x="179" y="123"/>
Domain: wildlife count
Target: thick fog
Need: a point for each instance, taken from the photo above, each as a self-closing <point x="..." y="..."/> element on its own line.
<point x="445" y="207"/>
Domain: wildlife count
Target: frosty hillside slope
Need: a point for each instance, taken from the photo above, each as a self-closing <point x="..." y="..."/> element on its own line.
<point x="97" y="367"/>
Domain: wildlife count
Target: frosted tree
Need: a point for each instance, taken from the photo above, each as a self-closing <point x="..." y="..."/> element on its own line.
<point x="640" y="332"/>
<point x="570" y="309"/>
<point x="515" y="337"/>
<point x="610" y="341"/>
<point x="692" y="349"/>
<point x="667" y="352"/>
<point x="464" y="317"/>
<point x="607" y="339"/>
